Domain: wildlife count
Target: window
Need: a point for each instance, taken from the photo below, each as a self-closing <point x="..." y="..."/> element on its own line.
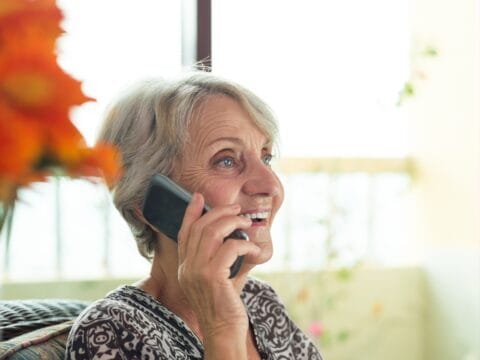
<point x="72" y="230"/>
<point x="332" y="72"/>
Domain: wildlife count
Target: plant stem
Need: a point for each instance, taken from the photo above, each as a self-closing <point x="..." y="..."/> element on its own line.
<point x="6" y="219"/>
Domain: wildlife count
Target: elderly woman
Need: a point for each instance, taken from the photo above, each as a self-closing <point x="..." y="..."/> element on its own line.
<point x="215" y="139"/>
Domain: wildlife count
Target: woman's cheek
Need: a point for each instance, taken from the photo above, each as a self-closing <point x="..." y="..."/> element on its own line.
<point x="220" y="193"/>
<point x="193" y="180"/>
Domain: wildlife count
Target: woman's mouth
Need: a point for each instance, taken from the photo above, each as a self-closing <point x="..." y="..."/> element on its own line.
<point x="258" y="218"/>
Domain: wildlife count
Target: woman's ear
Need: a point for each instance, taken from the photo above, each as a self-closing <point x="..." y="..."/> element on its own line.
<point x="140" y="216"/>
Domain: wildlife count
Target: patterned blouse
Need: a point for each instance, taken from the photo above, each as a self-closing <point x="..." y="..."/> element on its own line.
<point x="130" y="324"/>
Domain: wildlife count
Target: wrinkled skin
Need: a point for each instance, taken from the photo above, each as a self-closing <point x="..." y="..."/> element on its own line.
<point x="226" y="165"/>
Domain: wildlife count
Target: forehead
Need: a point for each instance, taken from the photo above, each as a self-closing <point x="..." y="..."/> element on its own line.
<point x="221" y="116"/>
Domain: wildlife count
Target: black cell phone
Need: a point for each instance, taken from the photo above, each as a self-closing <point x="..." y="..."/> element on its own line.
<point x="165" y="205"/>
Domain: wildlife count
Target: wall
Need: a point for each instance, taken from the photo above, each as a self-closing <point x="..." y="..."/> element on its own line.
<point x="445" y="144"/>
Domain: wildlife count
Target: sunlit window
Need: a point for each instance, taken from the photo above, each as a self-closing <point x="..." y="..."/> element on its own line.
<point x="331" y="71"/>
<point x="72" y="230"/>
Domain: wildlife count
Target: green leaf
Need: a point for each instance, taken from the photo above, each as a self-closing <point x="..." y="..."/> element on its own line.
<point x="430" y="51"/>
<point x="408" y="89"/>
<point x="343" y="335"/>
<point x="326" y="339"/>
<point x="344" y="274"/>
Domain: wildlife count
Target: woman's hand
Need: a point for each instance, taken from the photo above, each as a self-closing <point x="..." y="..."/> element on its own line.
<point x="204" y="270"/>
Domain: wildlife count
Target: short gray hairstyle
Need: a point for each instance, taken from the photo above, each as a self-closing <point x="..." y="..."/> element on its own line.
<point x="149" y="125"/>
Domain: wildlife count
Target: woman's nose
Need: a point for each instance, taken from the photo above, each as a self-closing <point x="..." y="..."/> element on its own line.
<point x="261" y="180"/>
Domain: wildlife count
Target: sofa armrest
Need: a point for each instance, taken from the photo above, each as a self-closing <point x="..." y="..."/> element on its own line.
<point x="21" y="316"/>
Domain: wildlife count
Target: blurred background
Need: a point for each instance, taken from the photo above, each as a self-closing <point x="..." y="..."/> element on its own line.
<point x="377" y="247"/>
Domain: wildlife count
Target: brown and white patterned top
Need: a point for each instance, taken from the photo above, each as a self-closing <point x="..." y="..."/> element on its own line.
<point x="130" y="324"/>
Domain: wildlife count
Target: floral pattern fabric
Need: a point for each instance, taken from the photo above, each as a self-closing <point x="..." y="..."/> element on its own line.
<point x="130" y="324"/>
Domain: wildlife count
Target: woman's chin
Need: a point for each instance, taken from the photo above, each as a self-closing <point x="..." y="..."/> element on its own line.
<point x="265" y="254"/>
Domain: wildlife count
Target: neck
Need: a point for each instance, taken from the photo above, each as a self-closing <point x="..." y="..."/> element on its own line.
<point x="163" y="285"/>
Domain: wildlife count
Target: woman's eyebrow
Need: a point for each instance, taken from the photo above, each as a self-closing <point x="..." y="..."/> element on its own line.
<point x="238" y="141"/>
<point x="226" y="139"/>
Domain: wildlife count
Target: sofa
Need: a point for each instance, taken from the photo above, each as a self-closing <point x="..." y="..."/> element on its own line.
<point x="36" y="329"/>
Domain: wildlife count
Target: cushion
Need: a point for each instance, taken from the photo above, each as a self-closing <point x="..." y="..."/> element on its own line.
<point x="45" y="343"/>
<point x="20" y="316"/>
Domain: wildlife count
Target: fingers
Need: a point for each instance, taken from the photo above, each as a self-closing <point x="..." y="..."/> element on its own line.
<point x="213" y="233"/>
<point x="228" y="253"/>
<point x="192" y="213"/>
<point x="201" y="238"/>
<point x="213" y="227"/>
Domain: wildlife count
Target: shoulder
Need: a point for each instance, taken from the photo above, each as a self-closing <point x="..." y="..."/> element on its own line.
<point x="255" y="286"/>
<point x="106" y="312"/>
<point x="264" y="306"/>
<point x="112" y="328"/>
<point x="258" y="292"/>
<point x="113" y="311"/>
<point x="274" y="329"/>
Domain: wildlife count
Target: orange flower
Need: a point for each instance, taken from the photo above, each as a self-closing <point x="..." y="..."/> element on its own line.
<point x="37" y="137"/>
<point x="377" y="309"/>
<point x="101" y="161"/>
<point x="64" y="144"/>
<point x="31" y="82"/>
<point x="303" y="295"/>
<point x="20" y="144"/>
<point x="25" y="22"/>
<point x="20" y="147"/>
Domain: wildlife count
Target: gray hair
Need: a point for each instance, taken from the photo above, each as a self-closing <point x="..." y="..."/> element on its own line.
<point x="149" y="125"/>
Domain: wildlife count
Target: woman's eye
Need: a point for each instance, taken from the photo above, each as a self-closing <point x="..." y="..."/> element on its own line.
<point x="226" y="162"/>
<point x="267" y="159"/>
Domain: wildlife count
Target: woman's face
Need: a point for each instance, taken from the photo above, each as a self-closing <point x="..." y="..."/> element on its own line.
<point x="227" y="160"/>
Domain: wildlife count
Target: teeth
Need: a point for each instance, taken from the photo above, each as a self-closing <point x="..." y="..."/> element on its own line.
<point x="259" y="215"/>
